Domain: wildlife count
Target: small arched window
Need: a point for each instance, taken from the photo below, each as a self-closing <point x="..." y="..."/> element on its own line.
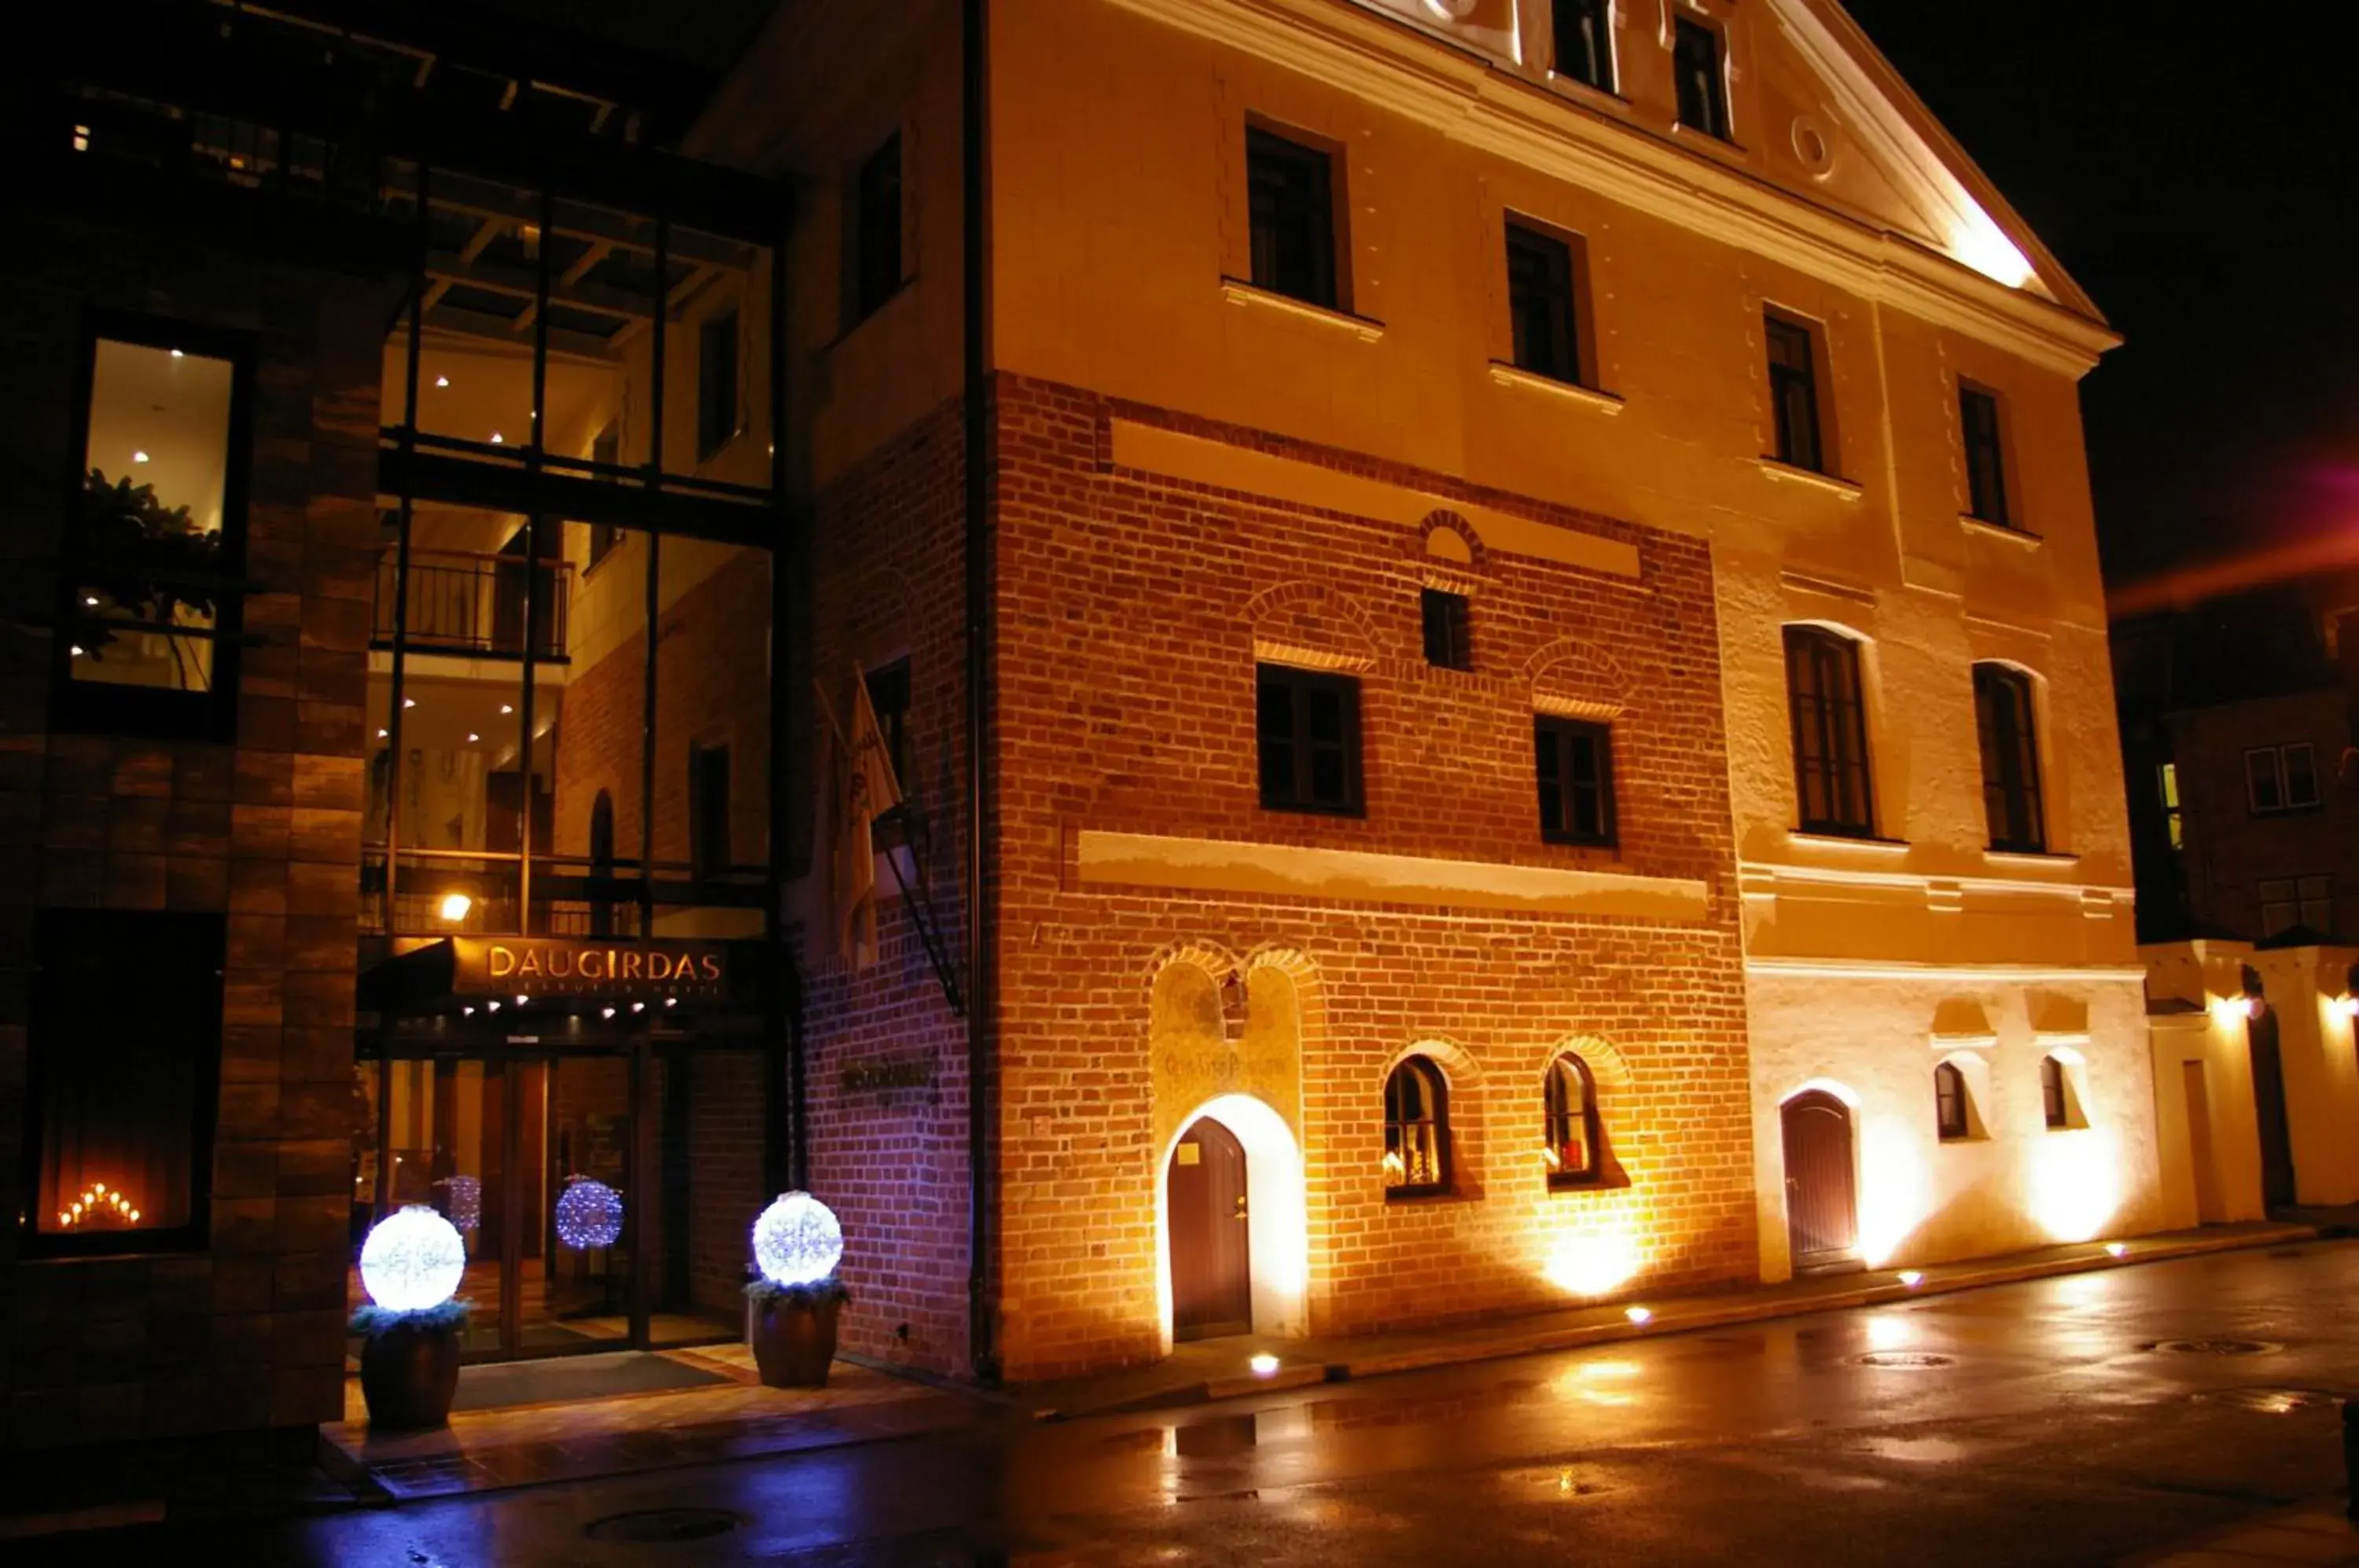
<point x="1949" y="1102"/>
<point x="2055" y="1101"/>
<point x="1416" y="1130"/>
<point x="1574" y="1147"/>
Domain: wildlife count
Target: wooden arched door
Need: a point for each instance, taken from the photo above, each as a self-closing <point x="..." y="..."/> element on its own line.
<point x="1821" y="1196"/>
<point x="1212" y="1269"/>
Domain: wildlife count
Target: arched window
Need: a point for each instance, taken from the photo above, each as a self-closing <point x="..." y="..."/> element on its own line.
<point x="2010" y="745"/>
<point x="1949" y="1102"/>
<point x="1831" y="786"/>
<point x="1416" y="1130"/>
<point x="601" y="865"/>
<point x="1575" y="1149"/>
<point x="2055" y="1101"/>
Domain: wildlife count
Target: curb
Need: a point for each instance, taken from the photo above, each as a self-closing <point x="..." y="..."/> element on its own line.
<point x="1675" y="1317"/>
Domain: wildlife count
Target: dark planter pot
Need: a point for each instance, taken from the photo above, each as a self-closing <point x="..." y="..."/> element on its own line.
<point x="409" y="1374"/>
<point x="794" y="1342"/>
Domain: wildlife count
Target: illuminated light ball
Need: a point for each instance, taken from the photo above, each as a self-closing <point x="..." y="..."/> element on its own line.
<point x="466" y="1201"/>
<point x="2118" y="1248"/>
<point x="796" y="1240"/>
<point x="1911" y="1278"/>
<point x="1638" y="1314"/>
<point x="589" y="1213"/>
<point x="1264" y="1365"/>
<point x="413" y="1259"/>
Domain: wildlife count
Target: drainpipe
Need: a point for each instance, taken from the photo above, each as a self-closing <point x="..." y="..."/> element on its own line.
<point x="982" y="986"/>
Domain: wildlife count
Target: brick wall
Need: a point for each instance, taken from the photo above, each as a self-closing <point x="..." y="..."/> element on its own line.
<point x="248" y="1333"/>
<point x="1129" y="608"/>
<point x="887" y="581"/>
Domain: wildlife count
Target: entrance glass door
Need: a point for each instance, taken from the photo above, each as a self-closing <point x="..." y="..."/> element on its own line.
<point x="531" y="1158"/>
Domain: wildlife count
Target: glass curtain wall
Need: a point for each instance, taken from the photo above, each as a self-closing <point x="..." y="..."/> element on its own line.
<point x="578" y="449"/>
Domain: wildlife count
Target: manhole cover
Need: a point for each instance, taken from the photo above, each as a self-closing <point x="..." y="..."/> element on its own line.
<point x="655" y="1526"/>
<point x="1903" y="1360"/>
<point x="2215" y="1346"/>
<point x="2270" y="1401"/>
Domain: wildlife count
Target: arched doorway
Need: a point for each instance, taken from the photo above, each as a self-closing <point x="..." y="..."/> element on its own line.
<point x="1211" y="1233"/>
<point x="2269" y="1109"/>
<point x="1822" y="1195"/>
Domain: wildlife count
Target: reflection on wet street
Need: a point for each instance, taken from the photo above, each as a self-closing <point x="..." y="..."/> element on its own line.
<point x="2037" y="1423"/>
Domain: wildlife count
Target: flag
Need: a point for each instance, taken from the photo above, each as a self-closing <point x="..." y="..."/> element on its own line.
<point x="866" y="789"/>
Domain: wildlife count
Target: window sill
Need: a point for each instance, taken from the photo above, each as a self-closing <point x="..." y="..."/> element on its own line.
<point x="1846" y="840"/>
<point x="1611" y="846"/>
<point x="1238" y="292"/>
<point x="1292" y="809"/>
<point x="1580" y="91"/>
<point x="1683" y="131"/>
<point x="2031" y="856"/>
<point x="2008" y="531"/>
<point x="1787" y="473"/>
<point x="1589" y="1181"/>
<point x="1418" y="1194"/>
<point x="1507" y="374"/>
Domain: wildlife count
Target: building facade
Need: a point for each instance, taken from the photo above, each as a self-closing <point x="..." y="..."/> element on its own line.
<point x="390" y="715"/>
<point x="1537" y="650"/>
<point x="1485" y="619"/>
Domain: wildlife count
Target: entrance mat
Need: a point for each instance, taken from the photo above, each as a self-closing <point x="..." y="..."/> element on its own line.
<point x="569" y="1377"/>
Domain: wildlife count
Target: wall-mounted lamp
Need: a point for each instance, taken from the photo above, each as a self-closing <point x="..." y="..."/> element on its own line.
<point x="455" y="907"/>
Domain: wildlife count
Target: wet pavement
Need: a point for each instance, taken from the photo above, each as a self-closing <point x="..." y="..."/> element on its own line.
<point x="2082" y="1419"/>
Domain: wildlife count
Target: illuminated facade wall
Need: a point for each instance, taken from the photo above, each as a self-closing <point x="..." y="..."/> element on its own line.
<point x="1195" y="473"/>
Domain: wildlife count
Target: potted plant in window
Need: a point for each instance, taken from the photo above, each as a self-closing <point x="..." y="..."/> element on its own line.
<point x="796" y="1299"/>
<point x="147" y="560"/>
<point x="410" y="1266"/>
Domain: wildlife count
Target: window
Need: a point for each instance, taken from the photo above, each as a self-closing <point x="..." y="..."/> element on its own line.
<point x="2174" y="821"/>
<point x="716" y="384"/>
<point x="1830" y="771"/>
<point x="1950" y="1102"/>
<point x="149" y="608"/>
<point x="122" y="1079"/>
<point x="2281" y="777"/>
<point x="876" y="268"/>
<point x="2010" y="745"/>
<point x="1542" y="304"/>
<point x="1585" y="42"/>
<point x="1985" y="455"/>
<point x="2290" y="901"/>
<point x="1575" y="763"/>
<point x="605" y="451"/>
<point x="1416" y="1130"/>
<point x="1574" y="1146"/>
<point x="1793" y="392"/>
<point x="1290" y="191"/>
<point x="1309" y="725"/>
<point x="708" y="806"/>
<point x="1449" y="633"/>
<point x="1703" y="83"/>
<point x="2055" y="1098"/>
<point x="888" y="698"/>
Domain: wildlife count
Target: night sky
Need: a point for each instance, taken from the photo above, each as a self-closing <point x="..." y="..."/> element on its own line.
<point x="2196" y="180"/>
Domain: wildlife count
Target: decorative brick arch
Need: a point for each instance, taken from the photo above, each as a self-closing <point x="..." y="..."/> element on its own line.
<point x="1208" y="956"/>
<point x="1577" y="679"/>
<point x="1468" y="554"/>
<point x="1311" y="625"/>
<point x="1606" y="1065"/>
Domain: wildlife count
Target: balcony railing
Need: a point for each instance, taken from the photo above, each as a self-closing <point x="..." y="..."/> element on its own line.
<point x="469" y="602"/>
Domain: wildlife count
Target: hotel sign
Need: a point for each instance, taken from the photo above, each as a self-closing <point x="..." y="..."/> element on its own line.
<point x="589" y="966"/>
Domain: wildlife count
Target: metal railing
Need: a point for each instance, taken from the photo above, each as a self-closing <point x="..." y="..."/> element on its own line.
<point x="469" y="601"/>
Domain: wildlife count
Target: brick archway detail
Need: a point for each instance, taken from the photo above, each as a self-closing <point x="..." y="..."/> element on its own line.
<point x="1313" y="626"/>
